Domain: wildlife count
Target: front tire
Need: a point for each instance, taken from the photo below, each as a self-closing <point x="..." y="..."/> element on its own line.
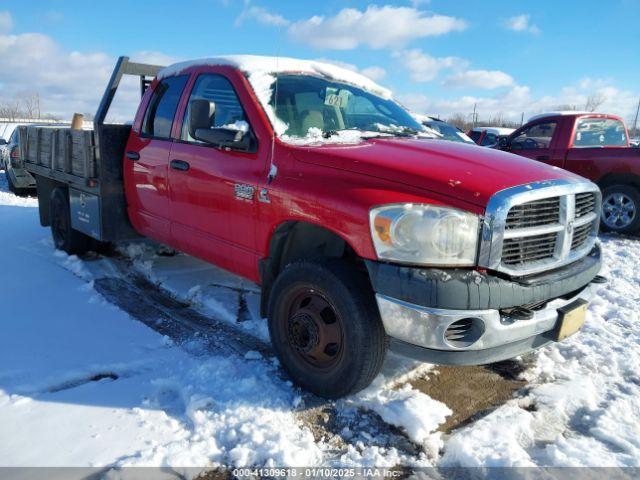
<point x="621" y="209"/>
<point x="64" y="236"/>
<point x="325" y="327"/>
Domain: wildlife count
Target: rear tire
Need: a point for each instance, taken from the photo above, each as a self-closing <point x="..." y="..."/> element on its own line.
<point x="621" y="209"/>
<point x="325" y="327"/>
<point x="64" y="236"/>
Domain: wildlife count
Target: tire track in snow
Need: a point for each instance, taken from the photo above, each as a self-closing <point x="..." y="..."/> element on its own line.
<point x="338" y="425"/>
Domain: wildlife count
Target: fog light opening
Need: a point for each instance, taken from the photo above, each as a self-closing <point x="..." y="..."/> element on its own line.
<point x="464" y="332"/>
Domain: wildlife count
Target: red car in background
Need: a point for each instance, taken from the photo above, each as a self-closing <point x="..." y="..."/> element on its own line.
<point x="595" y="146"/>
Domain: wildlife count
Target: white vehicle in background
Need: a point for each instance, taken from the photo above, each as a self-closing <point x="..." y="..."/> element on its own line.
<point x="445" y="130"/>
<point x="489" y="136"/>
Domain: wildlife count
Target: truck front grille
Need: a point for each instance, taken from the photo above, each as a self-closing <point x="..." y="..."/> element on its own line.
<point x="540" y="227"/>
<point x="532" y="214"/>
<point x="537" y="231"/>
<point x="519" y="251"/>
<point x="581" y="235"/>
<point x="585" y="203"/>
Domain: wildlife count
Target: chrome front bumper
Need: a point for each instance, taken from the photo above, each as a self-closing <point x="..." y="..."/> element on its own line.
<point x="421" y="330"/>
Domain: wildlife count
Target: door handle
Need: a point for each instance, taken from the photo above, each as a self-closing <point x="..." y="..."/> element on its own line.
<point x="543" y="158"/>
<point x="180" y="165"/>
<point x="133" y="156"/>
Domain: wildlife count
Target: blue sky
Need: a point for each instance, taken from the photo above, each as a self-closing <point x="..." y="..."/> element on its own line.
<point x="438" y="56"/>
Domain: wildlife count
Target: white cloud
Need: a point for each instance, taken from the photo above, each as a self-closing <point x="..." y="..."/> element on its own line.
<point x="515" y="101"/>
<point x="261" y="15"/>
<point x="6" y="22"/>
<point x="374" y="72"/>
<point x="521" y="23"/>
<point x="376" y="27"/>
<point x="423" y="67"/>
<point x="486" y="79"/>
<point x="66" y="82"/>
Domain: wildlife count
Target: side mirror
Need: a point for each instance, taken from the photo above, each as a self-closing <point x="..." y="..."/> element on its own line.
<point x="224" y="137"/>
<point x="3" y="142"/>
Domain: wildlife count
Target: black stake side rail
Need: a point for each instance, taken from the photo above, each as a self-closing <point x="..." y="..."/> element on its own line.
<point x="94" y="171"/>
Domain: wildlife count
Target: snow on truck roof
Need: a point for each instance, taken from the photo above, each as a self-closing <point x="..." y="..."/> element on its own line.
<point x="261" y="72"/>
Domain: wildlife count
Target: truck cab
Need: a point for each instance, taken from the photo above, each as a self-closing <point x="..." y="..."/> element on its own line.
<point x="595" y="146"/>
<point x="364" y="231"/>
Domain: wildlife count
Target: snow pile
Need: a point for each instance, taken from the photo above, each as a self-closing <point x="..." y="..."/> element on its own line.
<point x="83" y="383"/>
<point x="585" y="391"/>
<point x="413" y="411"/>
<point x="105" y="390"/>
<point x="261" y="71"/>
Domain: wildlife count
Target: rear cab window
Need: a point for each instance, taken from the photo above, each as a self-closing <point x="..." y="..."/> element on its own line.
<point x="599" y="132"/>
<point x="161" y="111"/>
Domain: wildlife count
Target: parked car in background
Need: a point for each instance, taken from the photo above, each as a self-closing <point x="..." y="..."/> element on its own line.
<point x="3" y="146"/>
<point x="595" y="146"/>
<point x="634" y="142"/>
<point x="488" y="136"/>
<point x="362" y="234"/>
<point x="445" y="130"/>
<point x="20" y="181"/>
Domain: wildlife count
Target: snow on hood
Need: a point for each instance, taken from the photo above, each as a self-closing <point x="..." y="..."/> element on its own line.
<point x="261" y="72"/>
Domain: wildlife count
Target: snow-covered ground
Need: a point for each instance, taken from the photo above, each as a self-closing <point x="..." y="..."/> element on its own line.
<point x="95" y="372"/>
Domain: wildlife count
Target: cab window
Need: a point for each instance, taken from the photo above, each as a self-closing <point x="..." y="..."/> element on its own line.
<point x="600" y="132"/>
<point x="535" y="137"/>
<point x="162" y="107"/>
<point x="228" y="109"/>
<point x="489" y="139"/>
<point x="475" y="136"/>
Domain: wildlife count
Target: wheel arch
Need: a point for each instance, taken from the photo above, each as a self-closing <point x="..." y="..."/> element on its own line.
<point x="293" y="240"/>
<point x="44" y="187"/>
<point x="619" y="179"/>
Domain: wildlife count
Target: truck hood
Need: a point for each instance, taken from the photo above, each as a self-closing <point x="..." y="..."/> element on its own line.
<point x="466" y="172"/>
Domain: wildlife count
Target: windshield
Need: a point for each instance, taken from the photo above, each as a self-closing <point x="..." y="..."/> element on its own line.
<point x="309" y="105"/>
<point x="600" y="132"/>
<point x="448" y="132"/>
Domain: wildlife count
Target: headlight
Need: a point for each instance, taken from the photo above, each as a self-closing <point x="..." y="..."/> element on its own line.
<point x="424" y="234"/>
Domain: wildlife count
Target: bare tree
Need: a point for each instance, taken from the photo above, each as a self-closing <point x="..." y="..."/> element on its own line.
<point x="563" y="107"/>
<point x="10" y="109"/>
<point x="594" y="101"/>
<point x="31" y="106"/>
<point x="460" y="121"/>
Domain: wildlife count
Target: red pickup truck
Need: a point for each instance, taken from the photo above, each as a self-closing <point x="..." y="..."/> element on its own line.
<point x="594" y="146"/>
<point x="312" y="182"/>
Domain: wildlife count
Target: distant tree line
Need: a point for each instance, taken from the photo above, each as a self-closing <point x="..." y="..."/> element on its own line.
<point x="466" y="123"/>
<point x="24" y="107"/>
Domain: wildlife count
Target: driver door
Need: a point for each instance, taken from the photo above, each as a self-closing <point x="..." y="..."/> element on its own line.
<point x="214" y="190"/>
<point x="536" y="142"/>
